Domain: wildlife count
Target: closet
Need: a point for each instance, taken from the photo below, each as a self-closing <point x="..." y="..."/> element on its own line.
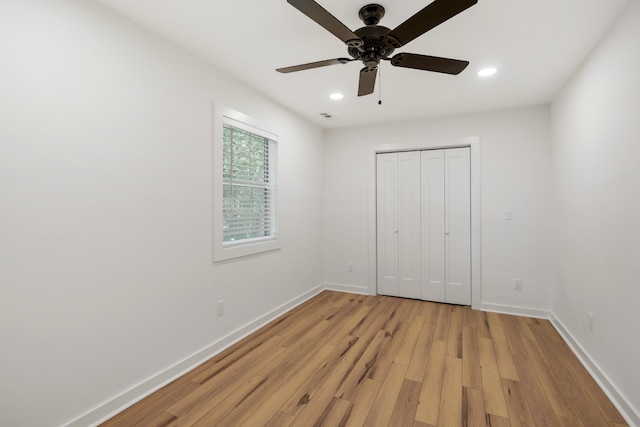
<point x="423" y="212"/>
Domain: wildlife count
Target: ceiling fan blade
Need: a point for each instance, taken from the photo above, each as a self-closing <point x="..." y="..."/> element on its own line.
<point x="326" y="20"/>
<point x="311" y="65"/>
<point x="428" y="18"/>
<point x="367" y="81"/>
<point x="429" y="63"/>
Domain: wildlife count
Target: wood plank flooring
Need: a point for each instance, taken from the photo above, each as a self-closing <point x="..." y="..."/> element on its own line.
<point x="351" y="360"/>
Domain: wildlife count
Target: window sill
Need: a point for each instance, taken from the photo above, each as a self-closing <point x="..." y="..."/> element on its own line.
<point x="243" y="250"/>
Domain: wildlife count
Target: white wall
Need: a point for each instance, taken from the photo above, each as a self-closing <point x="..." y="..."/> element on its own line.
<point x="105" y="210"/>
<point x="596" y="151"/>
<point x="515" y="171"/>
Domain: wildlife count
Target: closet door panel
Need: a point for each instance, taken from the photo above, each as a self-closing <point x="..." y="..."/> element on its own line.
<point x="458" y="226"/>
<point x="409" y="224"/>
<point x="432" y="236"/>
<point x="387" y="222"/>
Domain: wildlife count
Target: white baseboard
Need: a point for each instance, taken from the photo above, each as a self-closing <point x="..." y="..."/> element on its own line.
<point x="630" y="414"/>
<point x="138" y="392"/>
<point x="346" y="288"/>
<point x="517" y="311"/>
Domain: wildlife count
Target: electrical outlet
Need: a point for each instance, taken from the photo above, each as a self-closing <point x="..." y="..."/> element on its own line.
<point x="517" y="284"/>
<point x="590" y="321"/>
<point x="220" y="308"/>
<point x="350" y="267"/>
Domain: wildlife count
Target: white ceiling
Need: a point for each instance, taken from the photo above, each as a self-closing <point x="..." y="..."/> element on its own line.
<point x="535" y="44"/>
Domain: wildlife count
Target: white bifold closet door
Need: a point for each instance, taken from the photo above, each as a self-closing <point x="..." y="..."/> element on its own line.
<point x="424" y="225"/>
<point x="446" y="225"/>
<point x="398" y="212"/>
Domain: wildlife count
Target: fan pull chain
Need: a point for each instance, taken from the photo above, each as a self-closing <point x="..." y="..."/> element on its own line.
<point x="379" y="84"/>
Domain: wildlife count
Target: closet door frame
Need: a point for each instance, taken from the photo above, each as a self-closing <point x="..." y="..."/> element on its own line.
<point x="473" y="142"/>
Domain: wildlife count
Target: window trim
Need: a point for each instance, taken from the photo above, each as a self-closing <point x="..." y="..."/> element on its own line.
<point x="221" y="252"/>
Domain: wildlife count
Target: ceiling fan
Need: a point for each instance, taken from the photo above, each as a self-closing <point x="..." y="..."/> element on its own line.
<point x="373" y="43"/>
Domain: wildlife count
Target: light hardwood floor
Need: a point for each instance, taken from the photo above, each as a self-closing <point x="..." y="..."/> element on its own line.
<point x="351" y="360"/>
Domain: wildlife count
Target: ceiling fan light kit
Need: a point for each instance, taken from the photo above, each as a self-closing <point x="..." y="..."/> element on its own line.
<point x="374" y="43"/>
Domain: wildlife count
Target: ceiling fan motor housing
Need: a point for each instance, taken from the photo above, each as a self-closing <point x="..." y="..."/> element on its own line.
<point x="375" y="45"/>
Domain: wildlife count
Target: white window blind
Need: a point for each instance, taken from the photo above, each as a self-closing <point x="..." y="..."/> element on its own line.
<point x="249" y="186"/>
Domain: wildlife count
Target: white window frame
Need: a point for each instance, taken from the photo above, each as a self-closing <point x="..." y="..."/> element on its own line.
<point x="221" y="251"/>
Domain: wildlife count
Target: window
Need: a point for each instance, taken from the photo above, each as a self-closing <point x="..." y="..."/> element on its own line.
<point x="248" y="178"/>
<point x="245" y="199"/>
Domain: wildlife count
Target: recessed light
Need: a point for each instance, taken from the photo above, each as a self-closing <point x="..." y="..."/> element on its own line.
<point x="485" y="72"/>
<point x="336" y="96"/>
